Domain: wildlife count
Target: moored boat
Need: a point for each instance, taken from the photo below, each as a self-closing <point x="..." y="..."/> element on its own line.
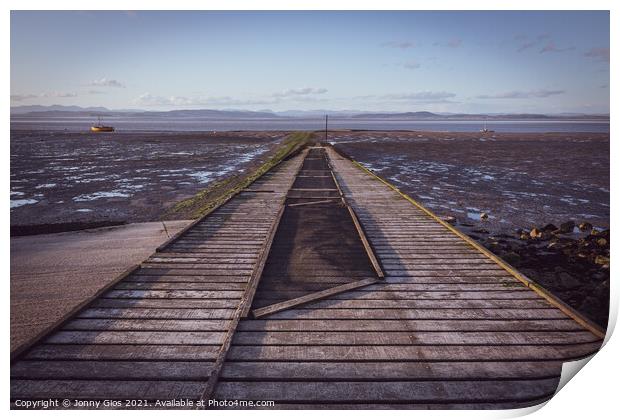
<point x="99" y="127"/>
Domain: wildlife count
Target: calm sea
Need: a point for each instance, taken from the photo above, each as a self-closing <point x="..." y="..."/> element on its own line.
<point x="194" y="124"/>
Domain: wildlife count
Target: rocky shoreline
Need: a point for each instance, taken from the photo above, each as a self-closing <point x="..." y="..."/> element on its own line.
<point x="571" y="261"/>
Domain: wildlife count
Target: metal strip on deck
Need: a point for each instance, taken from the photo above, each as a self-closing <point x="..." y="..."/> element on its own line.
<point x="160" y="332"/>
<point x="449" y="327"/>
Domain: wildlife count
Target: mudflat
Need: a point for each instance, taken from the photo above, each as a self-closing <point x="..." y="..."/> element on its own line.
<point x="519" y="179"/>
<point x="63" y="177"/>
<point x="538" y="200"/>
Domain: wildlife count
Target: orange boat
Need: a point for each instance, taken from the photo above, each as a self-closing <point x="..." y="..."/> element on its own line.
<point x="97" y="128"/>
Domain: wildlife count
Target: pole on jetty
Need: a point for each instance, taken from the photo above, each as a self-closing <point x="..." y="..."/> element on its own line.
<point x="326" y="118"/>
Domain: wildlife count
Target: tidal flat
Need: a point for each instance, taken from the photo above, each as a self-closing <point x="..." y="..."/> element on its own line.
<point x="524" y="196"/>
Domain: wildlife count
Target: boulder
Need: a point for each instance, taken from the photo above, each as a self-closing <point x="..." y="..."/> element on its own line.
<point x="601" y="260"/>
<point x="550" y="228"/>
<point x="567" y="227"/>
<point x="585" y="226"/>
<point x="535" y="233"/>
<point x="484" y="216"/>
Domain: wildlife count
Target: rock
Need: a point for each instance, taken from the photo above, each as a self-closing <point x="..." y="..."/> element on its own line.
<point x="602" y="242"/>
<point x="585" y="226"/>
<point x="595" y="232"/>
<point x="545" y="235"/>
<point x="550" y="228"/>
<point x="567" y="281"/>
<point x="524" y="236"/>
<point x="511" y="258"/>
<point x="484" y="216"/>
<point x="449" y="219"/>
<point x="567" y="227"/>
<point x="555" y="245"/>
<point x="601" y="260"/>
<point x="480" y="230"/>
<point x="535" y="233"/>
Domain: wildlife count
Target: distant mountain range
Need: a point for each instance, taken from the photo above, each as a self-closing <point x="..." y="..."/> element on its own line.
<point x="76" y="111"/>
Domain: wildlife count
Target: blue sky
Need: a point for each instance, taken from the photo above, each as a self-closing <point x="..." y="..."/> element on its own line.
<point x="371" y="61"/>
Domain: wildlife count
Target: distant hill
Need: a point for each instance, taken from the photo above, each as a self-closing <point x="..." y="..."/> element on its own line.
<point x="68" y="111"/>
<point x="205" y="113"/>
<point x="420" y="115"/>
<point x="25" y="109"/>
<point x="77" y="111"/>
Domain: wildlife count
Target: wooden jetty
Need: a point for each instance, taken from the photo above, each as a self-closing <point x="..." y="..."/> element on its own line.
<point x="379" y="304"/>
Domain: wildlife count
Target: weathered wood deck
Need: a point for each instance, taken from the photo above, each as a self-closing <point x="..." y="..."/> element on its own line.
<point x="162" y="331"/>
<point x="448" y="326"/>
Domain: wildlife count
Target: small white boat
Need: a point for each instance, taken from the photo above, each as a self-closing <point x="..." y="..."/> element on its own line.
<point x="485" y="129"/>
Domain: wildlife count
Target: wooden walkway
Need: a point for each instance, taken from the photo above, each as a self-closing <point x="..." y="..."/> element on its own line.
<point x="160" y="332"/>
<point x="448" y="326"/>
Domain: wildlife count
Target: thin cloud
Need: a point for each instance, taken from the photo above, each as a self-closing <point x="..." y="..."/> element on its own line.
<point x="105" y="82"/>
<point x="525" y="42"/>
<point x="455" y="43"/>
<point x="551" y="47"/>
<point x="598" y="54"/>
<point x="411" y="65"/>
<point x="24" y="97"/>
<point x="423" y="97"/>
<point x="518" y="94"/>
<point x="95" y="92"/>
<point x="403" y="45"/>
<point x="148" y="99"/>
<point x="59" y="95"/>
<point x="452" y="43"/>
<point x="300" y="92"/>
<point x="19" y="98"/>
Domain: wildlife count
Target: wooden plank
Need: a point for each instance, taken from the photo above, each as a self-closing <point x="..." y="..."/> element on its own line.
<point x="411" y="352"/>
<point x="117" y="370"/>
<point x="418" y="304"/>
<point x="409" y="325"/>
<point x="387" y="370"/>
<point x="86" y="324"/>
<point x="359" y="338"/>
<point x="311" y="297"/>
<point x="136" y="313"/>
<point x="551" y="313"/>
<point x="139" y="390"/>
<point x="166" y="303"/>
<point x="174" y="294"/>
<point x="385" y="392"/>
<point x="159" y="285"/>
<point x="136" y="337"/>
<point x="367" y="246"/>
<point x="505" y="293"/>
<point x="122" y="352"/>
<point x="308" y="203"/>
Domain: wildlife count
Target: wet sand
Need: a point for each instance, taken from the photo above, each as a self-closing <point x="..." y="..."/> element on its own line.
<point x="51" y="274"/>
<point x="68" y="177"/>
<point x="520" y="181"/>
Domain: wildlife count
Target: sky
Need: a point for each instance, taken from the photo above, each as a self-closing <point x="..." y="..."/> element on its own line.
<point x="467" y="61"/>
